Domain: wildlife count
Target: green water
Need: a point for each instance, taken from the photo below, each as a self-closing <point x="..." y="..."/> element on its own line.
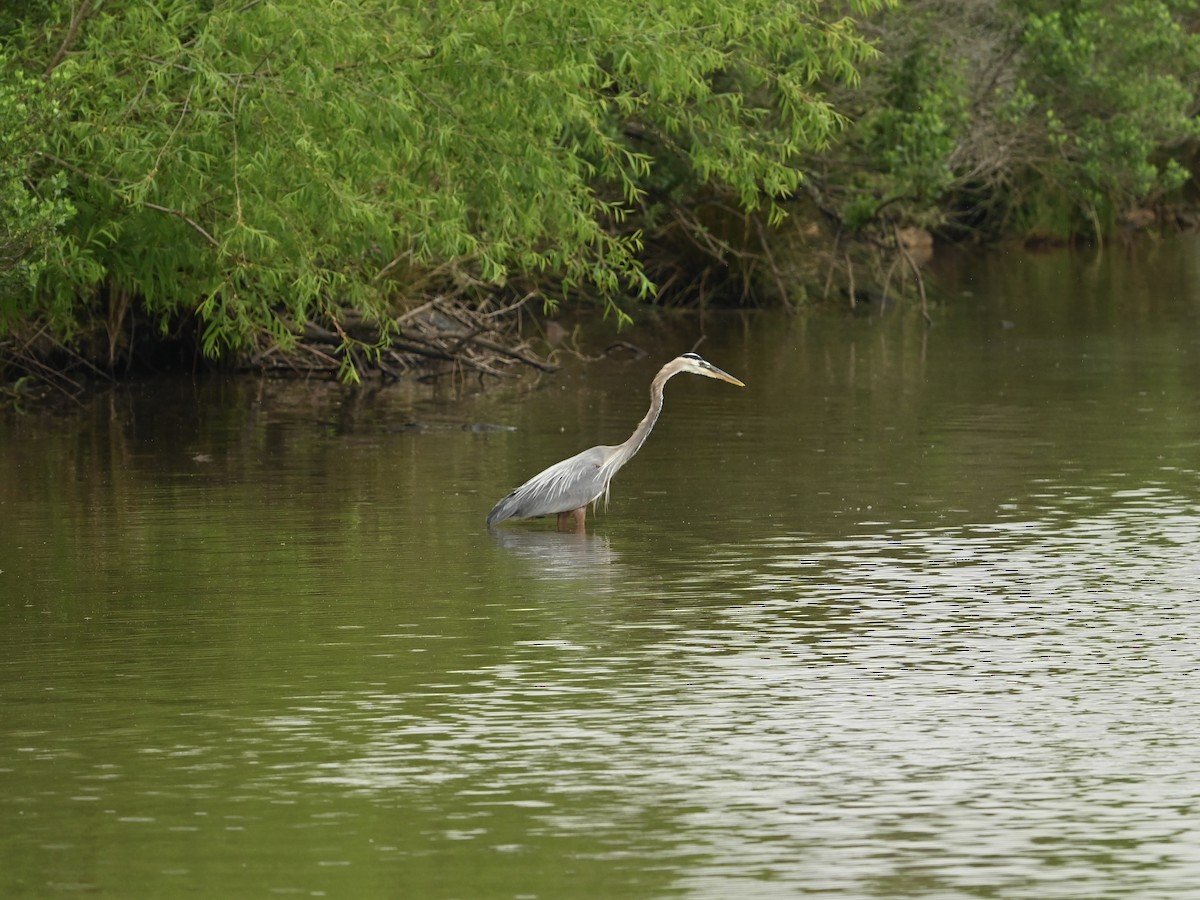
<point x="912" y="615"/>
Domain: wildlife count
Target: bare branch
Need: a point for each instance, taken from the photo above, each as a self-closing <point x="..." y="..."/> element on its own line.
<point x="182" y="215"/>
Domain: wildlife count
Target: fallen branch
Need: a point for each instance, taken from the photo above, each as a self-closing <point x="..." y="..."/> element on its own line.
<point x="912" y="264"/>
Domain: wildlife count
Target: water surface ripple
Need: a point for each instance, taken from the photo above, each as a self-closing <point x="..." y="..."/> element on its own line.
<point x="1003" y="709"/>
<point x="912" y="616"/>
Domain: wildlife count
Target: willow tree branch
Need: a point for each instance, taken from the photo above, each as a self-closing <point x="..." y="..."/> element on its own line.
<point x="82" y="12"/>
<point x="182" y="215"/>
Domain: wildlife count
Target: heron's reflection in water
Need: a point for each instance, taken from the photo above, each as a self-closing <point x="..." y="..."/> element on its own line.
<point x="559" y="555"/>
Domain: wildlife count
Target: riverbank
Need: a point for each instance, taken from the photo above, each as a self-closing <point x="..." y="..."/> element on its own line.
<point x="492" y="338"/>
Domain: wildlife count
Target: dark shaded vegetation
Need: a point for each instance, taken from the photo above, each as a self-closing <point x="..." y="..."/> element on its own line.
<point x="292" y="187"/>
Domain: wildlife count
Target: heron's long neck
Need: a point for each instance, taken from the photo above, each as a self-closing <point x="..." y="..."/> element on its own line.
<point x="634" y="444"/>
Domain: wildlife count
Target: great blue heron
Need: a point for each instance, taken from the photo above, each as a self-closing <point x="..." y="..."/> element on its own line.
<point x="566" y="488"/>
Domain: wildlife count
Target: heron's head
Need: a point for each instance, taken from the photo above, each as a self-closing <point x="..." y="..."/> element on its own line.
<point x="693" y="363"/>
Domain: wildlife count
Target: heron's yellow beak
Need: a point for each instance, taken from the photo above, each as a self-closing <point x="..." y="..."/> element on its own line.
<point x="714" y="372"/>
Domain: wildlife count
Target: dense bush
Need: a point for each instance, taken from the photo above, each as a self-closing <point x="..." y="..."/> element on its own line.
<point x="30" y="212"/>
<point x="259" y="165"/>
<point x="1010" y="117"/>
<point x="242" y="169"/>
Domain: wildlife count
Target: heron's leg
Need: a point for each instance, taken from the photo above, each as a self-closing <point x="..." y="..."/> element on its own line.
<point x="579" y="516"/>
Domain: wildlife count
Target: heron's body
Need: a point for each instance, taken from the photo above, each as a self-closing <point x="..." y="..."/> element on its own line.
<point x="563" y="488"/>
<point x="566" y="488"/>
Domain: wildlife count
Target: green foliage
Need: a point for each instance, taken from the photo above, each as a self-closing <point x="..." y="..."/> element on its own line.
<point x="261" y="164"/>
<point x="910" y="134"/>
<point x="1026" y="115"/>
<point x="29" y="213"/>
<point x="1111" y="84"/>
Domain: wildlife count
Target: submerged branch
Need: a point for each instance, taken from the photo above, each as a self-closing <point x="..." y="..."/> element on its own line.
<point x="438" y="331"/>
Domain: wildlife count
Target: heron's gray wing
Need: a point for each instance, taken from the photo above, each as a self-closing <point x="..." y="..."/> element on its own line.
<point x="565" y="486"/>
